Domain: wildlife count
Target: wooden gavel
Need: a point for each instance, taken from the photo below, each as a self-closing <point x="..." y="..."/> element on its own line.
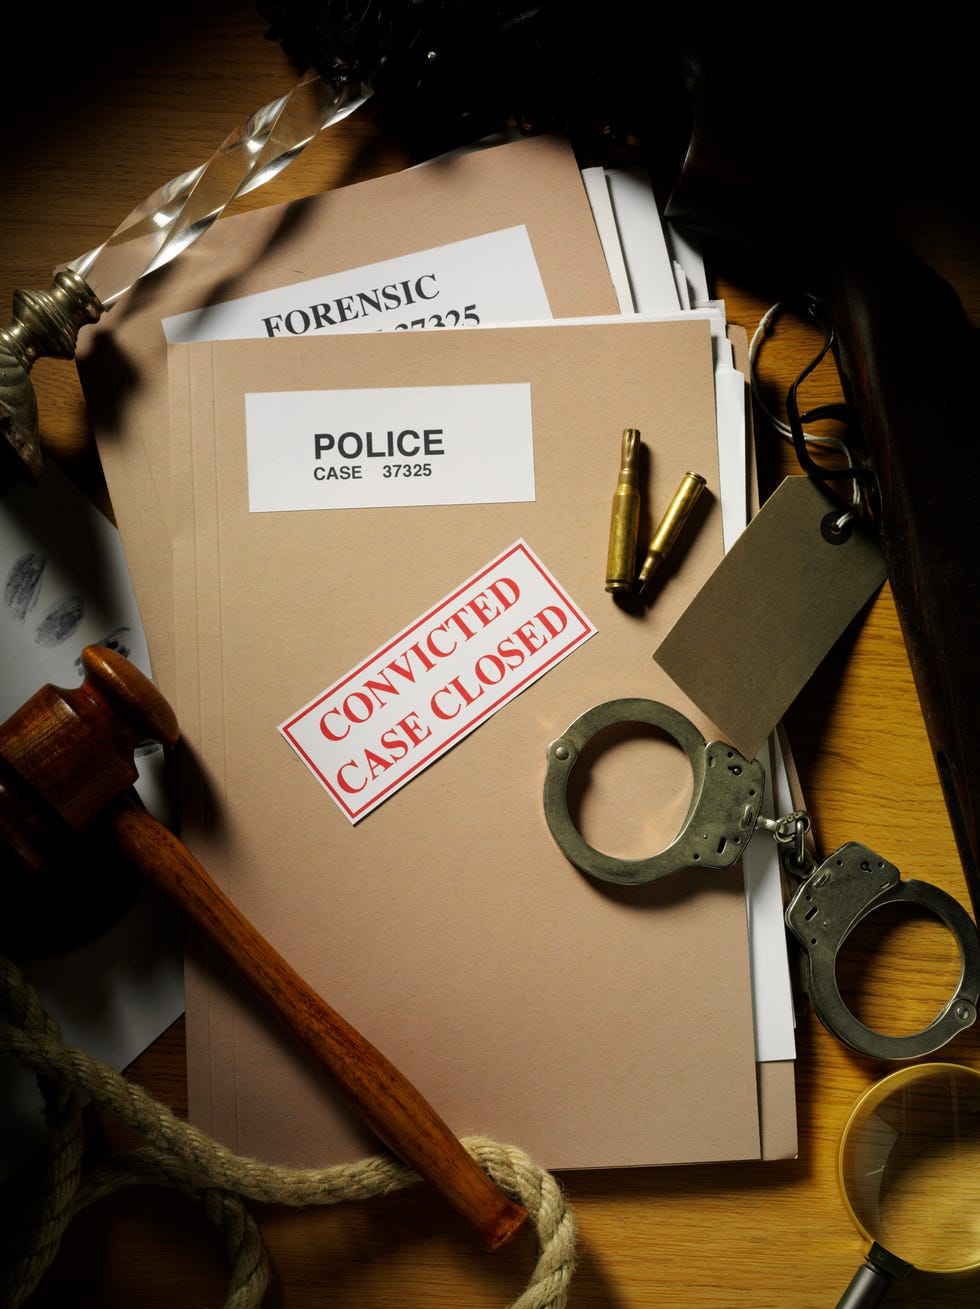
<point x="67" y="765"/>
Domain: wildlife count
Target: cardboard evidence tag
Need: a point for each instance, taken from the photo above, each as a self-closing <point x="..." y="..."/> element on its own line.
<point x="757" y="630"/>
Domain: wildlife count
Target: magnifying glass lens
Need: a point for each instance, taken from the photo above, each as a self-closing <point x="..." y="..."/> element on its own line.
<point x="909" y="1166"/>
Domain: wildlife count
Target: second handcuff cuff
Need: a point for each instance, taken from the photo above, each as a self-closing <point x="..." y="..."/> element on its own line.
<point x="833" y="898"/>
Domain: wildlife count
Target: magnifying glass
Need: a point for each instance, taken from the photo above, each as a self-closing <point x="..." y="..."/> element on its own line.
<point x="909" y="1171"/>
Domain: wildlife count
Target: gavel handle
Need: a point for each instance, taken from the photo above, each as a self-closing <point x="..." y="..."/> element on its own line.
<point x="388" y="1102"/>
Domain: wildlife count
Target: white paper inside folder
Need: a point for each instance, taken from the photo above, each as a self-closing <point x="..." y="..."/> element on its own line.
<point x="659" y="271"/>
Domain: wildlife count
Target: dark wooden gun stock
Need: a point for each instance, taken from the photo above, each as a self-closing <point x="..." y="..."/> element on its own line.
<point x="773" y="178"/>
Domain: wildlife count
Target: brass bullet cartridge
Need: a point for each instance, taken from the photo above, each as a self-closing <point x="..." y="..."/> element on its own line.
<point x="625" y="519"/>
<point x="678" y="512"/>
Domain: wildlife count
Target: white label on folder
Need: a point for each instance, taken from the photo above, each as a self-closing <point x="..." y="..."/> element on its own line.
<point x="483" y="279"/>
<point x="380" y="447"/>
<point x="436" y="681"/>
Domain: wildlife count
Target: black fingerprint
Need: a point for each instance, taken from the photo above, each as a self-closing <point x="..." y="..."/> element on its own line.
<point x="23" y="585"/>
<point x="60" y="622"/>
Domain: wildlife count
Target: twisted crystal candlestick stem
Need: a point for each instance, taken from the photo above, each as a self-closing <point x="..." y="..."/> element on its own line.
<point x="46" y="323"/>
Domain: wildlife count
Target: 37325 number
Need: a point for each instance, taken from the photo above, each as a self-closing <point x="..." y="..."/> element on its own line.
<point x="407" y="470"/>
<point x="448" y="318"/>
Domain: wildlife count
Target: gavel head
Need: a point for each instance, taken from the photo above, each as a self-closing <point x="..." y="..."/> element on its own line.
<point x="64" y="757"/>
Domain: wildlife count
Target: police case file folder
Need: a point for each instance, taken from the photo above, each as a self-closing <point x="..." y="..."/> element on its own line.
<point x="595" y="1026"/>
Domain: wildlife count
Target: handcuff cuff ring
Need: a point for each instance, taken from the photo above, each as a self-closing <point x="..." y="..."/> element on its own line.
<point x="726" y="796"/>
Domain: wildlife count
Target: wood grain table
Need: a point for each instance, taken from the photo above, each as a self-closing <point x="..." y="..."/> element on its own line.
<point x="106" y="105"/>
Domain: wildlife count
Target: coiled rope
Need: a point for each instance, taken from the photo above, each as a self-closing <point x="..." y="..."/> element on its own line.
<point x="181" y="1157"/>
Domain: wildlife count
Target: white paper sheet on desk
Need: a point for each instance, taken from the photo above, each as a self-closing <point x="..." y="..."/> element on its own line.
<point x="66" y="586"/>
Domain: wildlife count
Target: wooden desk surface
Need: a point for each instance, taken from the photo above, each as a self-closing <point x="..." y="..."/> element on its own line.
<point x="149" y="104"/>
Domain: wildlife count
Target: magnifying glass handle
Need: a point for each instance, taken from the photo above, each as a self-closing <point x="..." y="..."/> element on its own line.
<point x="868" y="1287"/>
<point x="871" y="1282"/>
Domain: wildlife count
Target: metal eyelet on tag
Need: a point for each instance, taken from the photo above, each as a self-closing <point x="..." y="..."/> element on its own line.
<point x="848" y="886"/>
<point x="727" y="795"/>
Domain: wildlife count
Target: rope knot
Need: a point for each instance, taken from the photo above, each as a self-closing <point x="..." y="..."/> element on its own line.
<point x="181" y="1157"/>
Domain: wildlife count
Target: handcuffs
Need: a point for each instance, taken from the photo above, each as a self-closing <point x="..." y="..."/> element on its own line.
<point x="832" y="899"/>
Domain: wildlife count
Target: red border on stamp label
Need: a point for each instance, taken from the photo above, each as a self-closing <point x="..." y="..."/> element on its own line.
<point x="422" y="692"/>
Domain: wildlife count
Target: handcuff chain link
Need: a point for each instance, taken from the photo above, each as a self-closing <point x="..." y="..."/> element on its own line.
<point x="791" y="830"/>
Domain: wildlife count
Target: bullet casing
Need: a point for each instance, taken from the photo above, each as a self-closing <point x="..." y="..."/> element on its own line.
<point x="678" y="512"/>
<point x="625" y="518"/>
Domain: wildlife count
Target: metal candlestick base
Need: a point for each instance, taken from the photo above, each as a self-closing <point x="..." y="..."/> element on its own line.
<point x="45" y="323"/>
